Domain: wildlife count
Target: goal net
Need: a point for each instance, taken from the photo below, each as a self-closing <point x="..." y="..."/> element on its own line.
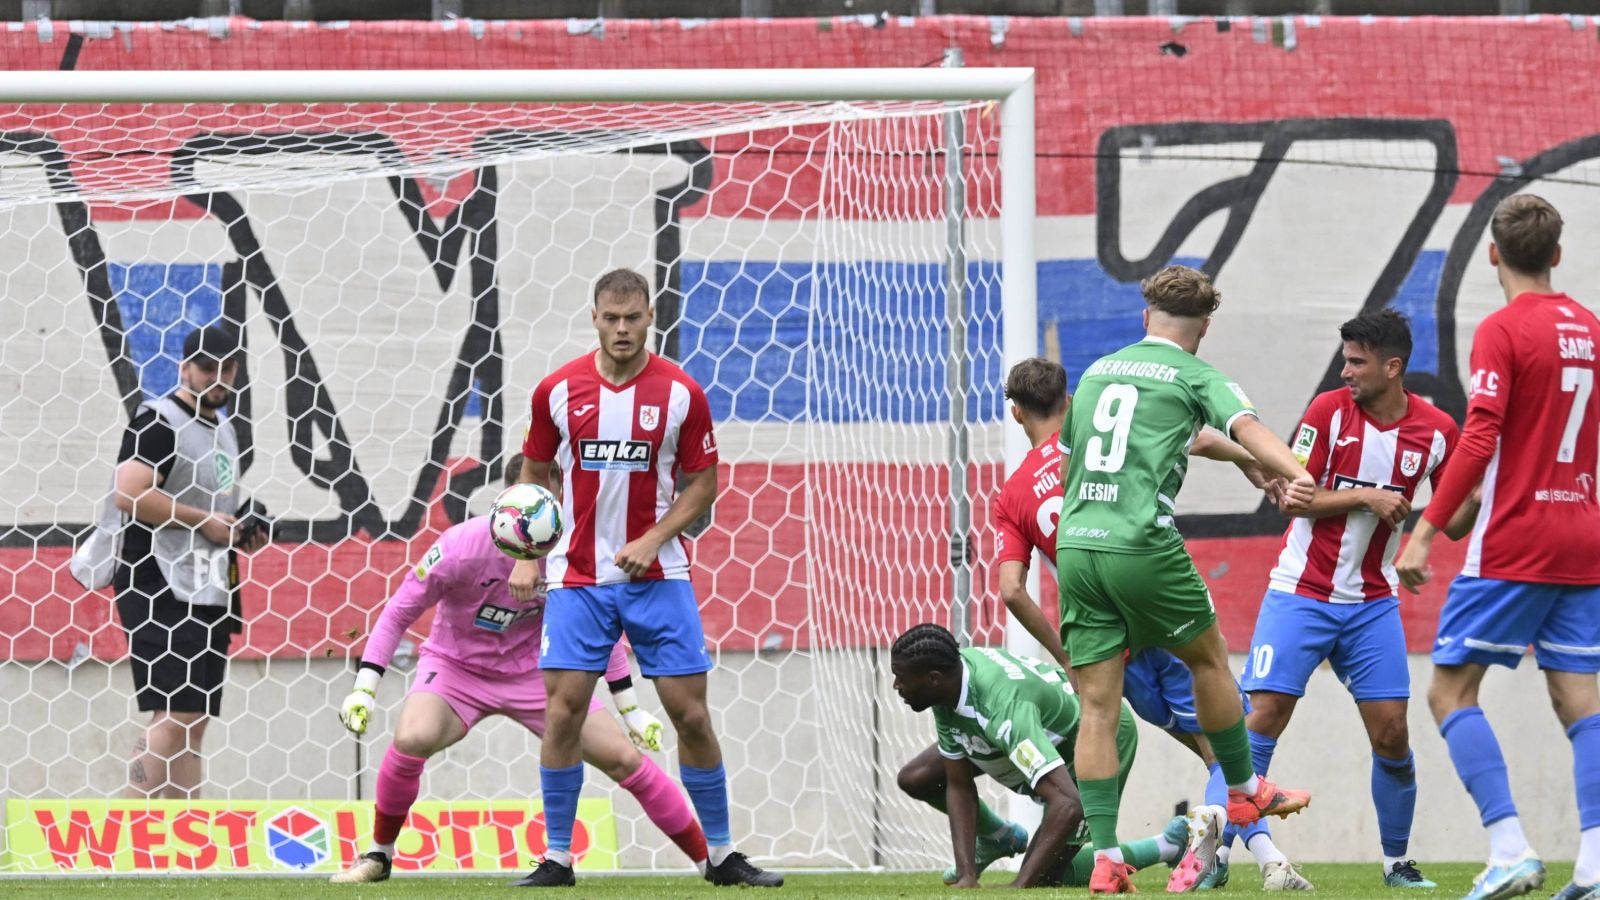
<point x="403" y="273"/>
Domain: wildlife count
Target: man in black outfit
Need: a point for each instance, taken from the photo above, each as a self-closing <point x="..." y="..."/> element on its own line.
<point x="177" y="584"/>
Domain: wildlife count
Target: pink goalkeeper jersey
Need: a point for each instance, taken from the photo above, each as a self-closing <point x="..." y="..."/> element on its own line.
<point x="620" y="449"/>
<point x="478" y="625"/>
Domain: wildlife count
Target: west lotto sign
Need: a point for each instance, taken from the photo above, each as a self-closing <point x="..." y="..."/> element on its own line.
<point x="226" y="836"/>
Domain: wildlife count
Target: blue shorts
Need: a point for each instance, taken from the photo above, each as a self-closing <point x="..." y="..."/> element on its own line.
<point x="1492" y="622"/>
<point x="660" y="618"/>
<point x="1160" y="689"/>
<point x="1365" y="642"/>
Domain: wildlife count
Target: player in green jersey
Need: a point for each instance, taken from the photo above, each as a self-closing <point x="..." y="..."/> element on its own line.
<point x="1014" y="719"/>
<point x="1127" y="582"/>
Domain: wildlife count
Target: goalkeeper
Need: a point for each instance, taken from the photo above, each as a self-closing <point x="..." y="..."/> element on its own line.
<point x="481" y="658"/>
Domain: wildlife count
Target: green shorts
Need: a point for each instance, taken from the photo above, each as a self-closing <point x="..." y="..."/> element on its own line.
<point x="1112" y="602"/>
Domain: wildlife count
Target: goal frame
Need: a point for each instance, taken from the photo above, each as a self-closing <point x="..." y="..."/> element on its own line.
<point x="1011" y="89"/>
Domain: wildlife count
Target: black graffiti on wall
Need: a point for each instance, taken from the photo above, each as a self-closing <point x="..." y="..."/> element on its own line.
<point x="1238" y="197"/>
<point x="318" y="441"/>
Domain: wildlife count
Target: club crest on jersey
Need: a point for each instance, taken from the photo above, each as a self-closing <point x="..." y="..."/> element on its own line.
<point x="1410" y="462"/>
<point x="649" y="417"/>
<point x="614" y="456"/>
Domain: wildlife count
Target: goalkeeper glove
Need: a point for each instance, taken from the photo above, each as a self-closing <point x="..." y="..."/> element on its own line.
<point x="643" y="728"/>
<point x="357" y="708"/>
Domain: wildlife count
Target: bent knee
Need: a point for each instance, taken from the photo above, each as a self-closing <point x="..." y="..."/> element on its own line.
<point x="413" y="743"/>
<point x="1392" y="739"/>
<point x="916" y="780"/>
<point x="693" y="721"/>
<point x="619" y="767"/>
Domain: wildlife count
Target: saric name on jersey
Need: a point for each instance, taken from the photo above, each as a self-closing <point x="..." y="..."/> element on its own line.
<point x="603" y="456"/>
<point x="1577" y="347"/>
<point x="1098" y="491"/>
<point x="1340" y="483"/>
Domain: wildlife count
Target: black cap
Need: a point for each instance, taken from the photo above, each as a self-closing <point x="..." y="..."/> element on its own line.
<point x="211" y="345"/>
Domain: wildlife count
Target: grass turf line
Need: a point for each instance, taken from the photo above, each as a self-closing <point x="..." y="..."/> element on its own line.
<point x="1334" y="881"/>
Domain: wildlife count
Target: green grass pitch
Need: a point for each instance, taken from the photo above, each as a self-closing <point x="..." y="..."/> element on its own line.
<point x="1341" y="881"/>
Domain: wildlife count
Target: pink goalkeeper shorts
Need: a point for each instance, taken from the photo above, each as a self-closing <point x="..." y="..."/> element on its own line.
<point x="474" y="697"/>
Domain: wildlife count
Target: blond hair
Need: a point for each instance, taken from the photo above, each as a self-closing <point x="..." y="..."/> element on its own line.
<point x="1181" y="291"/>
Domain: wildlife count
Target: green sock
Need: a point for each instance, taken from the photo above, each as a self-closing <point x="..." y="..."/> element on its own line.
<point x="1100" y="798"/>
<point x="1232" y="747"/>
<point x="989" y="823"/>
<point x="1139" y="854"/>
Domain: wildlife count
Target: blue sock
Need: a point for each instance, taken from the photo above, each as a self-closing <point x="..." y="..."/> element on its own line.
<point x="560" y="788"/>
<point x="1394" y="794"/>
<point x="1478" y="761"/>
<point x="1217" y="787"/>
<point x="1261" y="749"/>
<point x="1585" y="735"/>
<point x="708" y="791"/>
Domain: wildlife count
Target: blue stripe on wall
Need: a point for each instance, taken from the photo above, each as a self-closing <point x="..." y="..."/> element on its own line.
<point x="784" y="342"/>
<point x="160" y="304"/>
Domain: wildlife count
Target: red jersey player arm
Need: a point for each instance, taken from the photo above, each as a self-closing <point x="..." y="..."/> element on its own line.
<point x="1011" y="543"/>
<point x="697" y="445"/>
<point x="1486" y="408"/>
<point x="543" y="438"/>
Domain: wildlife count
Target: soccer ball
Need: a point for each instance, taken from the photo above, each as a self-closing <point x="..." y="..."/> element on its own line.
<point x="526" y="521"/>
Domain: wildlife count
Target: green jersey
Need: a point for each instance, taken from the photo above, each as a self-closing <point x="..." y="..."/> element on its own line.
<point x="1128" y="433"/>
<point x="1014" y="719"/>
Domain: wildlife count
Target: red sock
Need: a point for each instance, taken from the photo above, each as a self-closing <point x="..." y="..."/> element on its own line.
<point x="399" y="780"/>
<point x="666" y="807"/>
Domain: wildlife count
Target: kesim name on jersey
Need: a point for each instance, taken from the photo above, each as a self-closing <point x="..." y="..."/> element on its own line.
<point x="1097" y="491"/>
<point x="611" y="456"/>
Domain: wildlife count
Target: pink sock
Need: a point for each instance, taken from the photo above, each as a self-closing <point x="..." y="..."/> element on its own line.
<point x="399" y="779"/>
<point x="664" y="804"/>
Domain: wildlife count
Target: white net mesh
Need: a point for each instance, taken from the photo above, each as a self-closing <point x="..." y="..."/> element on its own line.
<point x="403" y="275"/>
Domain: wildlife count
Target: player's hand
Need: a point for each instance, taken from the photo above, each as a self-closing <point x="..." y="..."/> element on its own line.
<point x="356" y="711"/>
<point x="218" y="529"/>
<point x="1275" y="491"/>
<point x="1388" y="506"/>
<point x="643" y="728"/>
<point x="525" y="580"/>
<point x="1298" y="493"/>
<point x="637" y="556"/>
<point x="254" y="541"/>
<point x="1412" y="564"/>
<point x="1258" y="477"/>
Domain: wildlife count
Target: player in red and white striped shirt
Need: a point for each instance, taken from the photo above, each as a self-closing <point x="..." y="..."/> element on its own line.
<point x="1532" y="574"/>
<point x="1369" y="445"/>
<point x="622" y="424"/>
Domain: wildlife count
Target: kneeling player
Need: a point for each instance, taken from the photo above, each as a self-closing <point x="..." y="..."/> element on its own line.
<point x="1015" y="720"/>
<point x="482" y="659"/>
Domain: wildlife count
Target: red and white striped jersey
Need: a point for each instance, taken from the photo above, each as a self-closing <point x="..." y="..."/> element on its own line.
<point x="1350" y="558"/>
<point x="1532" y="437"/>
<point x="620" y="449"/>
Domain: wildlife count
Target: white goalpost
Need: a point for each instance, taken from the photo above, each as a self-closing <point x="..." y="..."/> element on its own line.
<point x="844" y="258"/>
